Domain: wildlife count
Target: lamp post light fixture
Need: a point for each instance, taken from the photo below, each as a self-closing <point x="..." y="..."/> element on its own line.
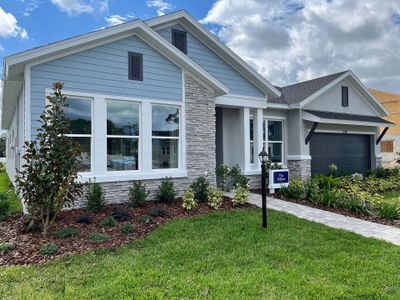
<point x="263" y="156"/>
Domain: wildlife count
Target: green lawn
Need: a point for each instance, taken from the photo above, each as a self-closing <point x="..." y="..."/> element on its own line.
<point x="6" y="186"/>
<point x="221" y="255"/>
<point x="392" y="197"/>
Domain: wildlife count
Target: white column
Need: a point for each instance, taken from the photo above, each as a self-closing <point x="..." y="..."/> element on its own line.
<point x="258" y="136"/>
<point x="145" y="157"/>
<point x="245" y="125"/>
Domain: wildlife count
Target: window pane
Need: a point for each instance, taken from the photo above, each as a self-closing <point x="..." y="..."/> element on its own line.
<point x="252" y="152"/>
<point x="122" y="118"/>
<point x="274" y="131"/>
<point x="79" y="112"/>
<point x="122" y="154"/>
<point x="85" y="143"/>
<point x="275" y="152"/>
<point x="165" y="121"/>
<point x="165" y="153"/>
<point x="251" y="130"/>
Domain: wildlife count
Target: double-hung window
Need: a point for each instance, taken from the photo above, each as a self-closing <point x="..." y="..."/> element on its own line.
<point x="79" y="113"/>
<point x="274" y="140"/>
<point x="165" y="136"/>
<point x="122" y="135"/>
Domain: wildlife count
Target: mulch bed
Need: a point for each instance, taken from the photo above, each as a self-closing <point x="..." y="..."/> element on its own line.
<point x="28" y="244"/>
<point x="376" y="219"/>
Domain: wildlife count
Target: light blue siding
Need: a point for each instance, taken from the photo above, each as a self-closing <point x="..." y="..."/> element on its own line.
<point x="213" y="64"/>
<point x="104" y="70"/>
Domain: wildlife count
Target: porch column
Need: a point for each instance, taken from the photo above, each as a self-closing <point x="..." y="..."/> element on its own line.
<point x="245" y="125"/>
<point x="258" y="136"/>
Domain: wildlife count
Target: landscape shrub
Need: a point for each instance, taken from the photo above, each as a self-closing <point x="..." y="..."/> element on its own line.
<point x="312" y="191"/>
<point x="157" y="212"/>
<point x="127" y="228"/>
<point x="108" y="222"/>
<point x="327" y="182"/>
<point x="2" y="167"/>
<point x="165" y="192"/>
<point x="230" y="177"/>
<point x="189" y="202"/>
<point x="66" y="232"/>
<point x="4" y="205"/>
<point x="328" y="197"/>
<point x="84" y="219"/>
<point x="146" y="219"/>
<point x="121" y="215"/>
<point x="352" y="202"/>
<point x="295" y="189"/>
<point x="7" y="247"/>
<point x="389" y="211"/>
<point x="138" y="194"/>
<point x="48" y="182"/>
<point x="240" y="195"/>
<point x="215" y="198"/>
<point x="95" y="200"/>
<point x="200" y="188"/>
<point x="98" y="237"/>
<point x="48" y="249"/>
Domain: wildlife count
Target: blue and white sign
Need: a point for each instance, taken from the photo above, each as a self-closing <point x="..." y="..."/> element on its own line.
<point x="278" y="179"/>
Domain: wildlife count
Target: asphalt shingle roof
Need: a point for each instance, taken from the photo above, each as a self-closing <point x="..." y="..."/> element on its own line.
<point x="295" y="93"/>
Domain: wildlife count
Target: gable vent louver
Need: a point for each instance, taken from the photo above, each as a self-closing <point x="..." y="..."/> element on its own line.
<point x="179" y="40"/>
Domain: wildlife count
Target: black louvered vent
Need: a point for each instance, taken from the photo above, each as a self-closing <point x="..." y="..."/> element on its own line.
<point x="135" y="66"/>
<point x="179" y="40"/>
<point x="345" y="96"/>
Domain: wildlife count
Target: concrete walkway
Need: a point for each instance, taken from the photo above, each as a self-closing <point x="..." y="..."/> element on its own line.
<point x="365" y="228"/>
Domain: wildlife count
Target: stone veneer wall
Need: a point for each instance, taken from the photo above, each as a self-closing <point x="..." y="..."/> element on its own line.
<point x="300" y="169"/>
<point x="200" y="145"/>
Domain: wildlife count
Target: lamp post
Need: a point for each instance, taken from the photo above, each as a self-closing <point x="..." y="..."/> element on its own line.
<point x="263" y="156"/>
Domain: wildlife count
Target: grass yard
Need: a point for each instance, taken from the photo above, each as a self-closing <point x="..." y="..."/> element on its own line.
<point x="221" y="255"/>
<point x="392" y="197"/>
<point x="6" y="186"/>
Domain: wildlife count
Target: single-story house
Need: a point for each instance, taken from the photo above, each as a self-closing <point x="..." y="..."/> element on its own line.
<point x="390" y="144"/>
<point x="164" y="97"/>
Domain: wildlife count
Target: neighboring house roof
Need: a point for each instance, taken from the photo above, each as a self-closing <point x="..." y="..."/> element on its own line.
<point x="211" y="41"/>
<point x="299" y="94"/>
<point x="348" y="117"/>
<point x="391" y="101"/>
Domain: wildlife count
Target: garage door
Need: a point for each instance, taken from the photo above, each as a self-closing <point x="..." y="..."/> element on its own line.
<point x="350" y="152"/>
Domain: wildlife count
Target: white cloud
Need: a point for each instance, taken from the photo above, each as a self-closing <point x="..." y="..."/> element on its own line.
<point x="9" y="26"/>
<point x="1" y="48"/>
<point x="161" y="5"/>
<point x="289" y="40"/>
<point x="117" y="19"/>
<point x="77" y="7"/>
<point x="30" y="6"/>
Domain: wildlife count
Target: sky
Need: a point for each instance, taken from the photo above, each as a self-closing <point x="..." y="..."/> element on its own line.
<point x="285" y="40"/>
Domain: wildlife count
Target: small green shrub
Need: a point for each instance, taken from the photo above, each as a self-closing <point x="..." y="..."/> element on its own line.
<point x="389" y="211"/>
<point x="328" y="197"/>
<point x="48" y="249"/>
<point x="200" y="189"/>
<point x="121" y="215"/>
<point x="295" y="190"/>
<point x="146" y="219"/>
<point x="240" y="195"/>
<point x="352" y="203"/>
<point x="98" y="237"/>
<point x="95" y="197"/>
<point x="4" y="205"/>
<point x="189" y="201"/>
<point x="127" y="228"/>
<point x="108" y="222"/>
<point x="66" y="232"/>
<point x="222" y="173"/>
<point x="138" y="194"/>
<point x="230" y="177"/>
<point x="327" y="182"/>
<point x="157" y="212"/>
<point x="2" y="167"/>
<point x="6" y="247"/>
<point x="165" y="192"/>
<point x="312" y="191"/>
<point x="84" y="219"/>
<point x="215" y="198"/>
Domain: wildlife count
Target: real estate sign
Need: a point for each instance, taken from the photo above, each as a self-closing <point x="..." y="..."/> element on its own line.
<point x="278" y="179"/>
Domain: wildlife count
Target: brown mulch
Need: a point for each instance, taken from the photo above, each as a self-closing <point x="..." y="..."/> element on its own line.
<point x="376" y="219"/>
<point x="28" y="244"/>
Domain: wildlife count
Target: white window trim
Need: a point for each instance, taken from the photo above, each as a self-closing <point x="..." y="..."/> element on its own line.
<point x="282" y="142"/>
<point x="99" y="139"/>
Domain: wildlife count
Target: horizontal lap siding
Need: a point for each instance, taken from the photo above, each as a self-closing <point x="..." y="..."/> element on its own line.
<point x="104" y="70"/>
<point x="213" y="64"/>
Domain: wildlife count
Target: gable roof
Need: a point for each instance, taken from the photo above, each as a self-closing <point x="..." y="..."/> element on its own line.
<point x="302" y="93"/>
<point x="212" y="42"/>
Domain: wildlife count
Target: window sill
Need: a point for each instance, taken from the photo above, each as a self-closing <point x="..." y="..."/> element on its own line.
<point x="132" y="176"/>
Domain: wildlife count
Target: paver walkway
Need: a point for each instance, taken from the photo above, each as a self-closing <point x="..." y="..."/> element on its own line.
<point x="365" y="228"/>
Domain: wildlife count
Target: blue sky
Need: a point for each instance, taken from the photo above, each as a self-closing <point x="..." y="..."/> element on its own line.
<point x="284" y="40"/>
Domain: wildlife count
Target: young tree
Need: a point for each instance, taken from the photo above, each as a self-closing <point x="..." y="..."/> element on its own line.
<point x="48" y="179"/>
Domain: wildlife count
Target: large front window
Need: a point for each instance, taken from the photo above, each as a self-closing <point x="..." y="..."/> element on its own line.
<point x="122" y="135"/>
<point x="165" y="137"/>
<point x="79" y="113"/>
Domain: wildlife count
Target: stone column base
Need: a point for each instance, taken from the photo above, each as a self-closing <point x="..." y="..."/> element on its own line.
<point x="300" y="169"/>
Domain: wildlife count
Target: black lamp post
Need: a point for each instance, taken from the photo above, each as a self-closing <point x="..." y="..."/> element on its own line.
<point x="263" y="156"/>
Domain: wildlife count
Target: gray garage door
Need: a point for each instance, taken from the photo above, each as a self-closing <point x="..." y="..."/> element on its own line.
<point x="350" y="152"/>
